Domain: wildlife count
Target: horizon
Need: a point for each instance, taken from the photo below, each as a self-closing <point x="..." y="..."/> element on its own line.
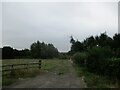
<point x="53" y="44"/>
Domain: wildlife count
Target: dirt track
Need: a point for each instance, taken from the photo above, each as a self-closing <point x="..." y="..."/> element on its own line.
<point x="53" y="79"/>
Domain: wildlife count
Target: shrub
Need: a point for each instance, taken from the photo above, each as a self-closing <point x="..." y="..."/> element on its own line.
<point x="113" y="68"/>
<point x="63" y="56"/>
<point x="96" y="61"/>
<point x="117" y="53"/>
<point x="80" y="58"/>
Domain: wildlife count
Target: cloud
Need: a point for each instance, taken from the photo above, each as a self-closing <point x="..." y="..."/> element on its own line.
<point x="25" y="23"/>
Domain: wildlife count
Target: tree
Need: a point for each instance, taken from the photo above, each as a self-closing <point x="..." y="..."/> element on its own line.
<point x="76" y="46"/>
<point x="102" y="41"/>
<point x="7" y="52"/>
<point x="36" y="49"/>
<point x="89" y="42"/>
<point x="72" y="41"/>
<point x="25" y="53"/>
<point x="51" y="51"/>
<point x="116" y="41"/>
<point x="42" y="50"/>
<point x="16" y="53"/>
<point x="116" y="45"/>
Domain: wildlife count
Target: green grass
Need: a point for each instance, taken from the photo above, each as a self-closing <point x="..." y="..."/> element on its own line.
<point x="16" y="61"/>
<point x="7" y="81"/>
<point x="47" y="65"/>
<point x="63" y="67"/>
<point x="92" y="80"/>
<point x="15" y="75"/>
<point x="50" y="64"/>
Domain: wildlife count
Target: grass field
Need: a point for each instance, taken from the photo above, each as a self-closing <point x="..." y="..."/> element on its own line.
<point x="47" y="65"/>
<point x="16" y="61"/>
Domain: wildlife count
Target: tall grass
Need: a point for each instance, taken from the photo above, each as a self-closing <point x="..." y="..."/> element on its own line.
<point x="94" y="80"/>
<point x="11" y="77"/>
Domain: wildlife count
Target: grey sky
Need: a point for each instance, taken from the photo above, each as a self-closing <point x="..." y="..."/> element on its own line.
<point x="26" y="22"/>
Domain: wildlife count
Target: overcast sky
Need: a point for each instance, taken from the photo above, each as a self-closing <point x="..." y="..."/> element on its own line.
<point x="26" y="22"/>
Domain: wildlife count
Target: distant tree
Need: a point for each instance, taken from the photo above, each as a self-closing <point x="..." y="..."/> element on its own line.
<point x="64" y="55"/>
<point x="116" y="41"/>
<point x="89" y="42"/>
<point x="72" y="41"/>
<point x="16" y="53"/>
<point x="42" y="50"/>
<point x="51" y="51"/>
<point x="36" y="49"/>
<point x="76" y="46"/>
<point x="25" y="53"/>
<point x="103" y="40"/>
<point x="116" y="45"/>
<point x="7" y="52"/>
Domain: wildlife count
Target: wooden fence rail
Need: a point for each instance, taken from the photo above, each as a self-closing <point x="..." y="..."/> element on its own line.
<point x="24" y="64"/>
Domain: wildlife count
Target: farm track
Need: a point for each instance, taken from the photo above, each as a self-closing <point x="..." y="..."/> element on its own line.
<point x="53" y="79"/>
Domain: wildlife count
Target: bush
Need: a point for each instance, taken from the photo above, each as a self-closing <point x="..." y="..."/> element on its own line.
<point x="113" y="68"/>
<point x="117" y="53"/>
<point x="63" y="56"/>
<point x="80" y="58"/>
<point x="96" y="61"/>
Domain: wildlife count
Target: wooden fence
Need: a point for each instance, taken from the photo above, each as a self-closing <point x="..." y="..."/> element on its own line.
<point x="26" y="66"/>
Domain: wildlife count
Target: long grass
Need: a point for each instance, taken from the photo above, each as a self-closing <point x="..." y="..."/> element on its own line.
<point x="11" y="77"/>
<point x="93" y="80"/>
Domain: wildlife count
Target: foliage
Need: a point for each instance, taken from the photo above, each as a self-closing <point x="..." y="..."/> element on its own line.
<point x="89" y="42"/>
<point x="116" y="41"/>
<point x="96" y="60"/>
<point x="72" y="41"/>
<point x="42" y="50"/>
<point x="76" y="46"/>
<point x="10" y="53"/>
<point x="103" y="56"/>
<point x="7" y="53"/>
<point x="37" y="50"/>
<point x="80" y="58"/>
<point x="63" y="56"/>
<point x="113" y="67"/>
<point x="92" y="80"/>
<point x="103" y="40"/>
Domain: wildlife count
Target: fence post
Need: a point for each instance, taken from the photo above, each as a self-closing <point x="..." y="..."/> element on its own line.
<point x="12" y="66"/>
<point x="11" y="70"/>
<point x="27" y="66"/>
<point x="39" y="64"/>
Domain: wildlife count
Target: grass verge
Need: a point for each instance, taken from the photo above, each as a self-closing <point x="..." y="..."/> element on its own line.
<point x="20" y="74"/>
<point x="93" y="80"/>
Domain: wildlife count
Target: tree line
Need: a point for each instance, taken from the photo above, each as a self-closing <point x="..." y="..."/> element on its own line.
<point x="37" y="50"/>
<point x="99" y="55"/>
<point x="103" y="40"/>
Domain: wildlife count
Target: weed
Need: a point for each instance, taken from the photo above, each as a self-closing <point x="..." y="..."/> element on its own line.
<point x="93" y="80"/>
